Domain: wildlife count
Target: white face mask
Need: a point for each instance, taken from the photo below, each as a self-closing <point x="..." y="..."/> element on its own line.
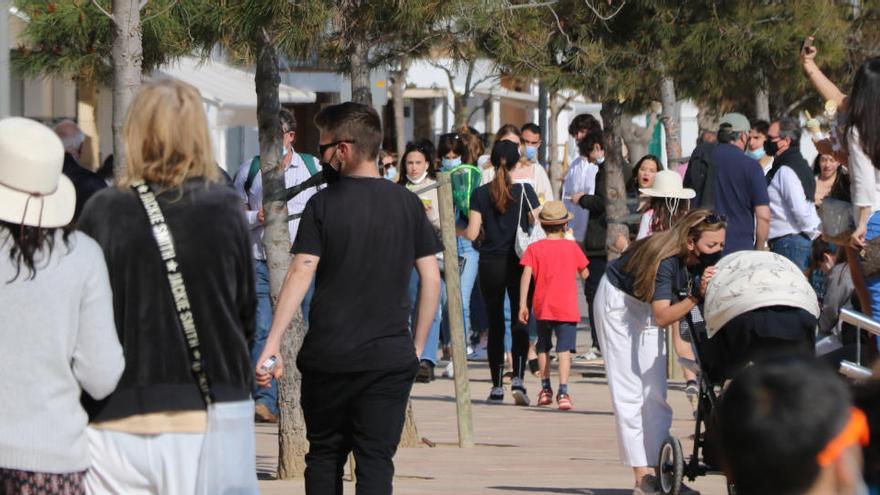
<point x="417" y="180"/>
<point x="600" y="160"/>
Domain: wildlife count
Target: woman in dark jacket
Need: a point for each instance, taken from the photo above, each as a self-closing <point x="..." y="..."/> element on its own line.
<point x="157" y="413"/>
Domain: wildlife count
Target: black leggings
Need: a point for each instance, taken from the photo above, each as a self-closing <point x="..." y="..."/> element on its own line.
<point x="499" y="274"/>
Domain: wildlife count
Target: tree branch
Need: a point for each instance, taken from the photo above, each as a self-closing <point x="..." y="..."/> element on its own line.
<point x="600" y="16"/>
<point x="796" y="104"/>
<point x="108" y="14"/>
<point x="162" y="12"/>
<point x="530" y="5"/>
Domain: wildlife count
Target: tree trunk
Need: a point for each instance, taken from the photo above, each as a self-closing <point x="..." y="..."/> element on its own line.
<point x="360" y="75"/>
<point x="671" y="122"/>
<point x="397" y="87"/>
<point x="409" y="438"/>
<point x="292" y="445"/>
<point x="636" y="138"/>
<point x="127" y="54"/>
<point x="557" y="174"/>
<point x="762" y="102"/>
<point x="542" y="121"/>
<point x="460" y="110"/>
<point x="615" y="190"/>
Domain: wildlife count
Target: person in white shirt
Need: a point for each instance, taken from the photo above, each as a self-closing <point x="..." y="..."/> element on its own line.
<point x="249" y="184"/>
<point x="794" y="222"/>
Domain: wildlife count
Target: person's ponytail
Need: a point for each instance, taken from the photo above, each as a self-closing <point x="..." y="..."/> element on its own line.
<point x="500" y="189"/>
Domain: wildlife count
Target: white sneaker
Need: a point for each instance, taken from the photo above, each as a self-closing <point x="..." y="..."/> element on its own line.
<point x="591" y="355"/>
<point x="479" y="354"/>
<point x="449" y="372"/>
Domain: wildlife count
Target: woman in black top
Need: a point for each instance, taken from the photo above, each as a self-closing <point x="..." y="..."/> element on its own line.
<point x="496" y="211"/>
<point x="651" y="286"/>
<point x="157" y="410"/>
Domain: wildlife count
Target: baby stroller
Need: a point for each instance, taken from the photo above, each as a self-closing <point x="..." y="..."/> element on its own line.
<point x="757" y="304"/>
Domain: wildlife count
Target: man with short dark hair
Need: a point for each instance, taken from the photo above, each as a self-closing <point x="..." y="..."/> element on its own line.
<point x="248" y="182"/>
<point x="531" y="139"/>
<point x="739" y="187"/>
<point x="84" y="180"/>
<point x="361" y="236"/>
<point x="757" y="137"/>
<point x="794" y="222"/>
<point x="787" y="427"/>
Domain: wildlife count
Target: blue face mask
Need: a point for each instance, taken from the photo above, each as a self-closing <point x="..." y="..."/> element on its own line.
<point x="391" y="173"/>
<point x="757" y="154"/>
<point x="448" y="163"/>
<point x="531" y="153"/>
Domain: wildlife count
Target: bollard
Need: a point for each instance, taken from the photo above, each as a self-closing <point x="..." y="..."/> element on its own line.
<point x="456" y="315"/>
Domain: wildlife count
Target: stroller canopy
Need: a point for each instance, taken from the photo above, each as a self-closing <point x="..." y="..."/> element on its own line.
<point x="748" y="280"/>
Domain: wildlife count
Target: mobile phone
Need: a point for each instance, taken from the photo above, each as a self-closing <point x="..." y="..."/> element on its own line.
<point x="269" y="364"/>
<point x="808" y="42"/>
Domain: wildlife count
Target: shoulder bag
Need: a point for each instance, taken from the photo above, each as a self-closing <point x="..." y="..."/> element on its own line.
<point x="227" y="462"/>
<point x="535" y="233"/>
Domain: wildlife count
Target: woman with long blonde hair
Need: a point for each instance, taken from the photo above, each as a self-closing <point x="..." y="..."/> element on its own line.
<point x="179" y="256"/>
<point x="656" y="282"/>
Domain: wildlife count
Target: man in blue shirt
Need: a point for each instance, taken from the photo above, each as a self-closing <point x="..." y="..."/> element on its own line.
<point x="740" y="187"/>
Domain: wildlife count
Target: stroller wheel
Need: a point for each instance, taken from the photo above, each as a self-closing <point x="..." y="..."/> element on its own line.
<point x="670" y="469"/>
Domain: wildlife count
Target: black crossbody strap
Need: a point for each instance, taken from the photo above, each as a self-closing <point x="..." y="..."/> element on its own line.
<point x="165" y="243"/>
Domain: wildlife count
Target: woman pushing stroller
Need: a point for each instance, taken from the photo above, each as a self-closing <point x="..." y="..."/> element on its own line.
<point x="656" y="282"/>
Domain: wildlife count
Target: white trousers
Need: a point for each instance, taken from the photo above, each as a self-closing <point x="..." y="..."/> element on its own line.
<point x="133" y="464"/>
<point x="635" y="364"/>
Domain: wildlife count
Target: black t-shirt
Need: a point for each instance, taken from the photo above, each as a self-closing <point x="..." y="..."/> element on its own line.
<point x="368" y="233"/>
<point x="671" y="282"/>
<point x="500" y="228"/>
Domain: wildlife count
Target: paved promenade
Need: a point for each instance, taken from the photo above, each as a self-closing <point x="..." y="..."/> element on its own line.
<point x="519" y="450"/>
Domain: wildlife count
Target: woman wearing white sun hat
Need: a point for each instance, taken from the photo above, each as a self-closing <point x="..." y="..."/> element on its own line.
<point x="51" y="348"/>
<point x="668" y="202"/>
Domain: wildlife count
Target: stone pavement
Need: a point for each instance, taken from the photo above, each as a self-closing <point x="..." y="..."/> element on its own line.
<point x="519" y="450"/>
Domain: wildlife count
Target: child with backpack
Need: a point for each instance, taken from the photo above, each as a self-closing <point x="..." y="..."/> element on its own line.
<point x="553" y="263"/>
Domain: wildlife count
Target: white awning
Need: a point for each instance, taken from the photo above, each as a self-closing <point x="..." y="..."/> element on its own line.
<point x="424" y="93"/>
<point x="229" y="88"/>
<point x="507" y="94"/>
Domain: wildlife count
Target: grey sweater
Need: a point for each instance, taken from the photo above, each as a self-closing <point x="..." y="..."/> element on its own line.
<point x="57" y="337"/>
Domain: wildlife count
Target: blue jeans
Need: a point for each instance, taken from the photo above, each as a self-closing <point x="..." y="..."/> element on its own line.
<point x="267" y="396"/>
<point x="429" y="353"/>
<point x="874" y="283"/>
<point x="795" y="247"/>
<point x="468" y="281"/>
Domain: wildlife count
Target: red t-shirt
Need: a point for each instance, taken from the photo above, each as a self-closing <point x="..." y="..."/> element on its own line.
<point x="555" y="264"/>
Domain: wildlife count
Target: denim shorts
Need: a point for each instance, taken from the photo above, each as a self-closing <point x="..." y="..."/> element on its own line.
<point x="566" y="336"/>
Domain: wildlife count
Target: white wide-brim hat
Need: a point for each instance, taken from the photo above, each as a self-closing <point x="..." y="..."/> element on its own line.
<point x="33" y="191"/>
<point x="667" y="184"/>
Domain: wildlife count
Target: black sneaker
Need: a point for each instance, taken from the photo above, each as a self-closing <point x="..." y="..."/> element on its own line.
<point x="496" y="395"/>
<point x="426" y="372"/>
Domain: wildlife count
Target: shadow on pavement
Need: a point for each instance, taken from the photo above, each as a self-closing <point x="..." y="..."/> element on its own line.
<point x="574" y="491"/>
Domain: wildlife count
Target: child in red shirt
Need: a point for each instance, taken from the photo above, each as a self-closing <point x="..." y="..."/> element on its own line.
<point x="554" y="262"/>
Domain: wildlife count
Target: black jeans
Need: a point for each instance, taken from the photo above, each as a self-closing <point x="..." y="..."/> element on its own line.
<point x="361" y="412"/>
<point x="591" y="285"/>
<point x="499" y="275"/>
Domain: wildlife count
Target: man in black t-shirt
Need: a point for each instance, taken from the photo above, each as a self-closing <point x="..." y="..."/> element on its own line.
<point x="361" y="237"/>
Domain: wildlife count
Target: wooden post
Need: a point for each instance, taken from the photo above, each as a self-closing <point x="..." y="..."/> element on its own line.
<point x="456" y="316"/>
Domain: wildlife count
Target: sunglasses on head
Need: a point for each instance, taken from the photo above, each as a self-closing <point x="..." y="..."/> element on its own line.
<point x="450" y="135"/>
<point x="322" y="148"/>
<point x="714" y="218"/>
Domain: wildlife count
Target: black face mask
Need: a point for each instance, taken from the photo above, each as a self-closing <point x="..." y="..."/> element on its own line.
<point x="770" y="147"/>
<point x="707" y="260"/>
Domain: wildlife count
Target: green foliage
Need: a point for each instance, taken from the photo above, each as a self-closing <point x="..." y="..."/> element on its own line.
<point x="73" y="38"/>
